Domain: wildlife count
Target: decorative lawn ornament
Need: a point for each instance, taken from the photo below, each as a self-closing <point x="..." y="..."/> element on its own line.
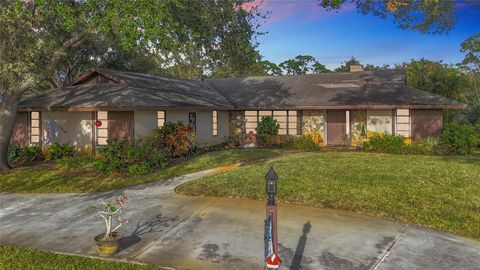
<point x="98" y="123"/>
<point x="111" y="211"/>
<point x="52" y="130"/>
<point x="273" y="262"/>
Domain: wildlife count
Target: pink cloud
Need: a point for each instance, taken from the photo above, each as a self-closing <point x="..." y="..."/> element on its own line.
<point x="281" y="10"/>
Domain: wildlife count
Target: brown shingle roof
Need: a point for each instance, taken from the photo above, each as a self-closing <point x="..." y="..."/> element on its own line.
<point x="368" y="89"/>
<point x="136" y="91"/>
<point x="128" y="91"/>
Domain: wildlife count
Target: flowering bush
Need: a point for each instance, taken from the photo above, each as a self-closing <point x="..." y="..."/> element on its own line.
<point x="111" y="211"/>
<point x="123" y="156"/>
<point x="175" y="138"/>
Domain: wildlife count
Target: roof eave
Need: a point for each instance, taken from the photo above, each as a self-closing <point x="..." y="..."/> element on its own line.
<point x="220" y="108"/>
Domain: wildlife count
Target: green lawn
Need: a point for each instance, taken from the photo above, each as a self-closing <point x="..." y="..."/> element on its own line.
<point x="15" y="258"/>
<point x="77" y="175"/>
<point x="440" y="192"/>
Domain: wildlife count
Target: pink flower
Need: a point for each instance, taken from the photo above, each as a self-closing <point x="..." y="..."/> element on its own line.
<point x="118" y="202"/>
<point x="126" y="221"/>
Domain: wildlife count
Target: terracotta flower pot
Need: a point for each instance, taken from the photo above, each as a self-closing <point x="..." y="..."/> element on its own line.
<point x="107" y="248"/>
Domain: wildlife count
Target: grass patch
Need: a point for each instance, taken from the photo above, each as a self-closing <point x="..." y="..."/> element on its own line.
<point x="26" y="258"/>
<point x="79" y="174"/>
<point x="440" y="192"/>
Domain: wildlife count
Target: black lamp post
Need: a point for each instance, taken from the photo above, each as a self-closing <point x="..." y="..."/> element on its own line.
<point x="271" y="189"/>
<point x="271" y="185"/>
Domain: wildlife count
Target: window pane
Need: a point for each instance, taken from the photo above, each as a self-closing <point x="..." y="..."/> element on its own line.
<point x="214" y="123"/>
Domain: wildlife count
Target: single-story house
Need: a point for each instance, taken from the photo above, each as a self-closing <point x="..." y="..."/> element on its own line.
<point x="335" y="108"/>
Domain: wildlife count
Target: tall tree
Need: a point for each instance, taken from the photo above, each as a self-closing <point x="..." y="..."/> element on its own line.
<point x="471" y="65"/>
<point x="438" y="78"/>
<point x="302" y="64"/>
<point x="36" y="36"/>
<point x="270" y="68"/>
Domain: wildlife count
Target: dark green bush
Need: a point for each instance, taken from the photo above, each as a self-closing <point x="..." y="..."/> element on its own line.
<point x="385" y="143"/>
<point x="460" y="139"/>
<point x="59" y="151"/>
<point x="267" y="129"/>
<point x="305" y="143"/>
<point x="175" y="138"/>
<point x="23" y="155"/>
<point x="123" y="156"/>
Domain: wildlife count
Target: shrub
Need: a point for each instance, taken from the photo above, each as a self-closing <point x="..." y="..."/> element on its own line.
<point x="175" y="138"/>
<point x="59" y="151"/>
<point x="123" y="156"/>
<point x="460" y="139"/>
<point x="428" y="146"/>
<point x="22" y="155"/>
<point x="267" y="129"/>
<point x="305" y="142"/>
<point x="385" y="143"/>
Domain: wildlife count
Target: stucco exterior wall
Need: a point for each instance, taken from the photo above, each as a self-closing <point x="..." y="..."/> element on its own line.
<point x="204" y="128"/>
<point x="380" y="121"/>
<point x="144" y="123"/>
<point x="74" y="128"/>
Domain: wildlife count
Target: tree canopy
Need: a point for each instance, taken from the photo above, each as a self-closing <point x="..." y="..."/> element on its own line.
<point x="424" y="16"/>
<point x="302" y="64"/>
<point x="43" y="43"/>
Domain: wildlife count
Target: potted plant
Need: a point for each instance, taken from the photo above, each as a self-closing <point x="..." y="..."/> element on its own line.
<point x="111" y="211"/>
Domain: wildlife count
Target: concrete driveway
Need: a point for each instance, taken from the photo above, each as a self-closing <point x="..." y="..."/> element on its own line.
<point x="218" y="233"/>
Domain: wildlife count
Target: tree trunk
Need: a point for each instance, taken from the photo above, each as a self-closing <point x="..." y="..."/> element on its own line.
<point x="8" y="112"/>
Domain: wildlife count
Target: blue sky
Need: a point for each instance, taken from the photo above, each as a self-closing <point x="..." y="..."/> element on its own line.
<point x="302" y="27"/>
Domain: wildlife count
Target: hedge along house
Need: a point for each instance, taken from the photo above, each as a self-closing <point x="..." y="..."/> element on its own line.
<point x="334" y="108"/>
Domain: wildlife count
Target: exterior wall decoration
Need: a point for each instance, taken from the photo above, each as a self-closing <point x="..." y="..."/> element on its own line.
<point x="379" y="121"/>
<point x="237" y="123"/>
<point x="358" y="130"/>
<point x="314" y="125"/>
<point x="73" y="128"/>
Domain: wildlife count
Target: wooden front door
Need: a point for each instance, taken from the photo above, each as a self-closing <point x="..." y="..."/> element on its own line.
<point x="336" y="127"/>
<point x="120" y="125"/>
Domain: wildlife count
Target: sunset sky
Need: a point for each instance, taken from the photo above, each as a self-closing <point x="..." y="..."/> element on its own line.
<point x="302" y="27"/>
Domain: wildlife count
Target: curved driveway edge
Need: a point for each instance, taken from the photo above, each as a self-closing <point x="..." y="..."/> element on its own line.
<point x="219" y="233"/>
